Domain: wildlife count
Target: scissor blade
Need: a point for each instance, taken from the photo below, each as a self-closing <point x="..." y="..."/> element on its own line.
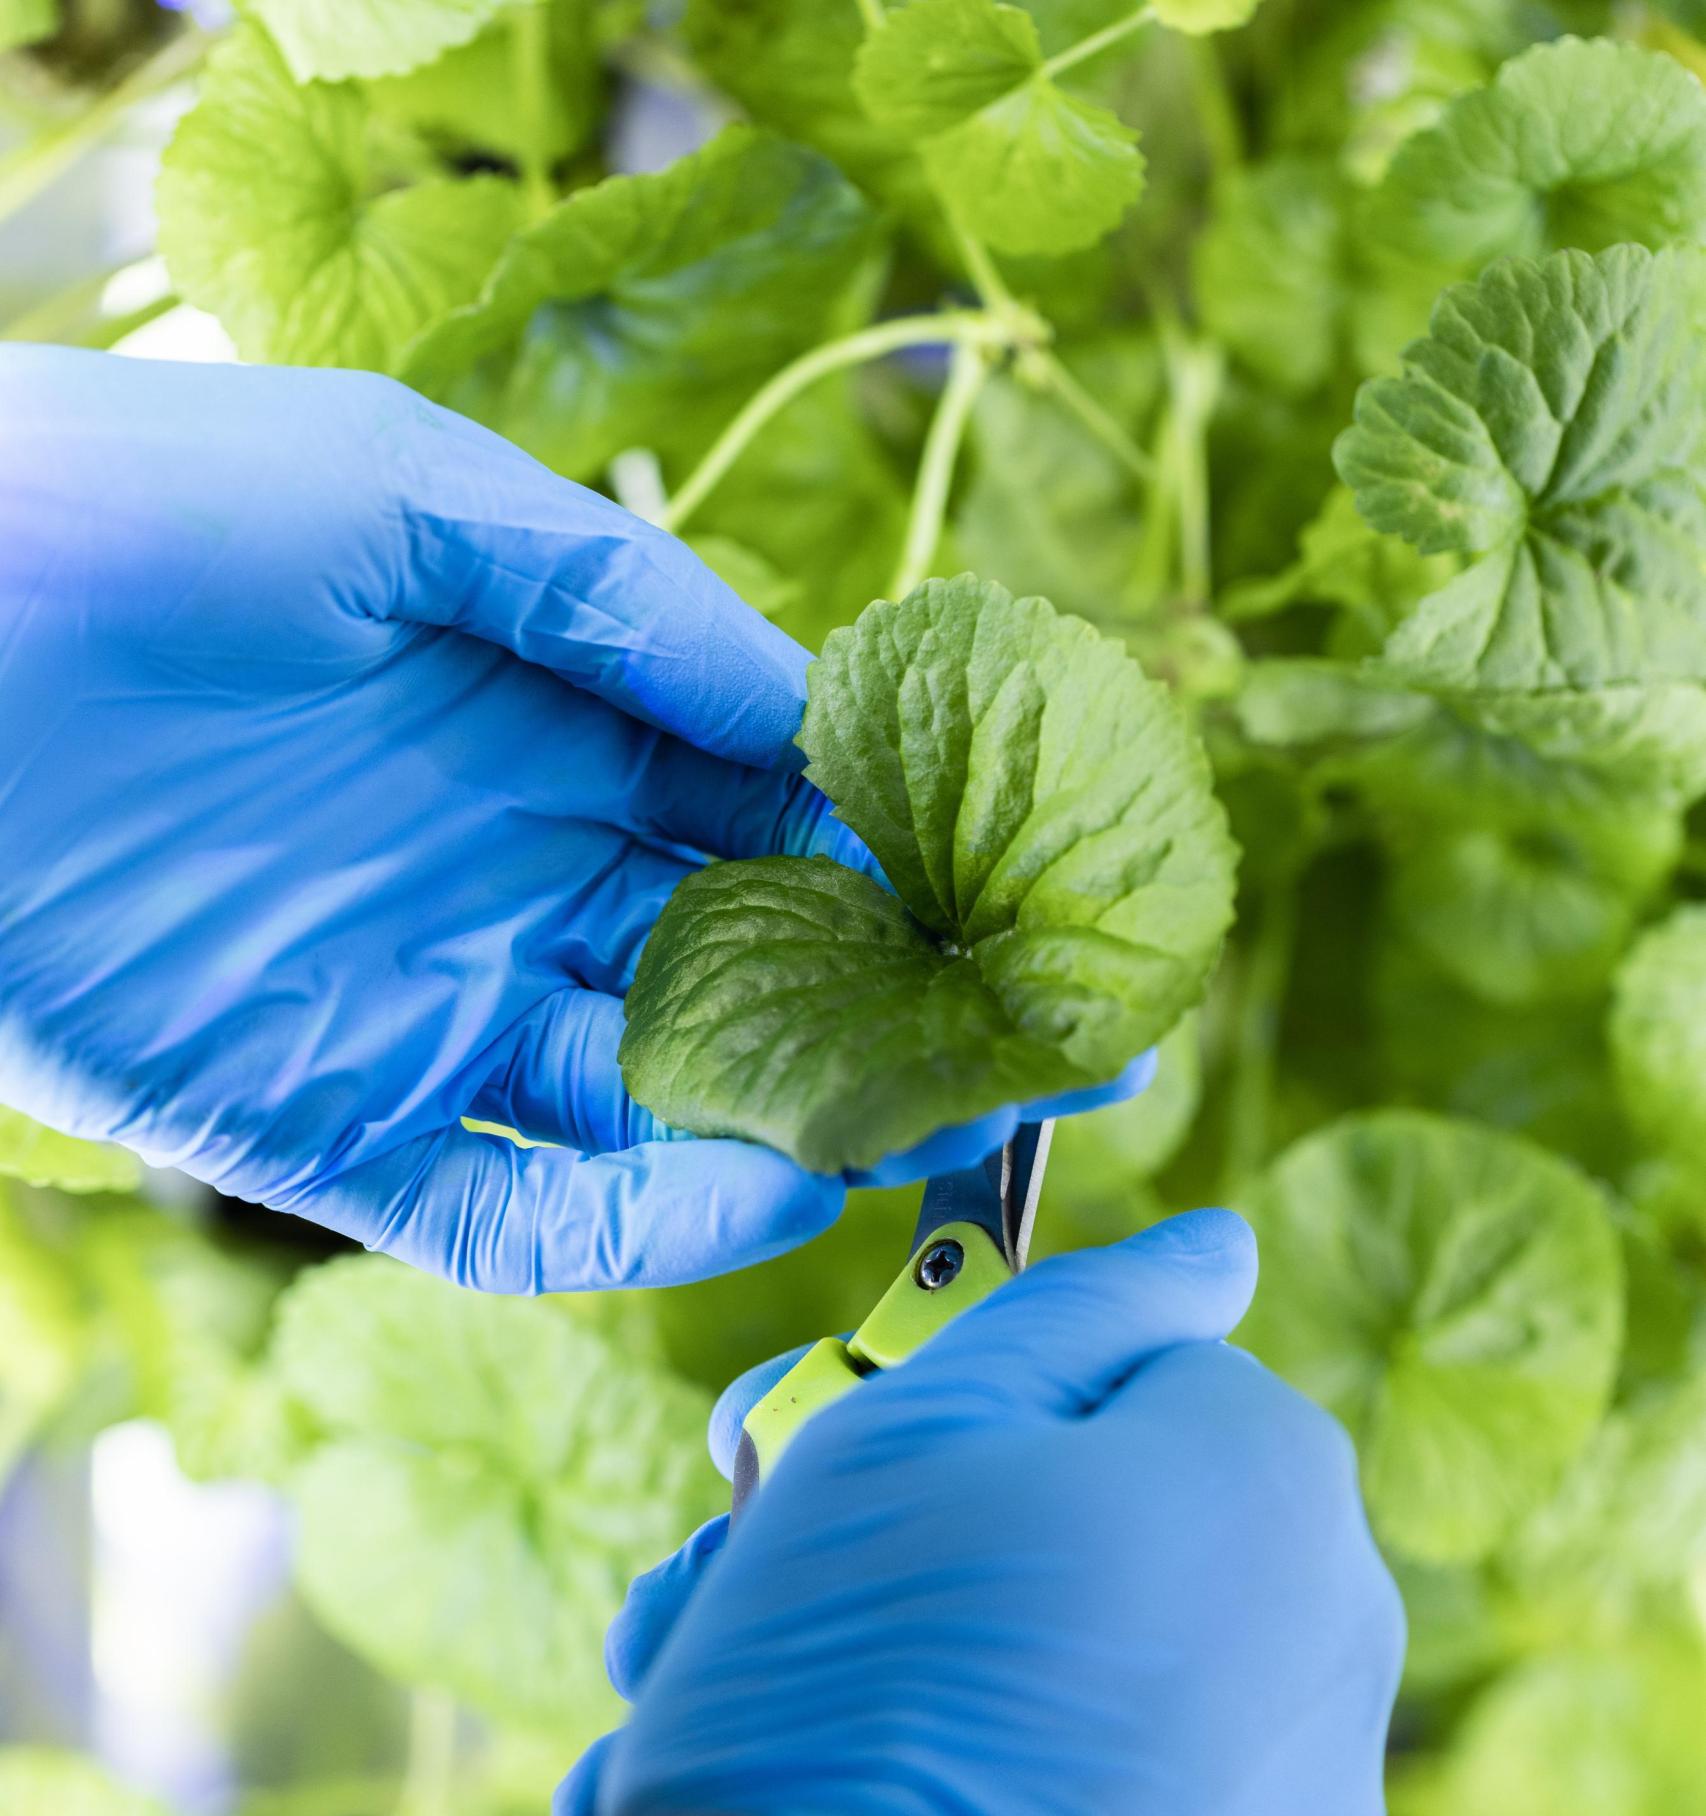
<point x="999" y="1194"/>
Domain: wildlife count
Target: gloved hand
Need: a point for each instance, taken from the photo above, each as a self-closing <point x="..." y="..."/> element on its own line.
<point x="346" y="758"/>
<point x="1074" y="1556"/>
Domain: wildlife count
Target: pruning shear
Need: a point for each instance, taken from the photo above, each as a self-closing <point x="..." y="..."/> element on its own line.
<point x="973" y="1235"/>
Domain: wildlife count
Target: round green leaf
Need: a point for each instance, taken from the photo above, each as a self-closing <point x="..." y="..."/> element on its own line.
<point x="1452" y="1294"/>
<point x="1064" y="876"/>
<point x="494" y="1471"/>
<point x="1026" y="166"/>
<point x="267" y="220"/>
<point x="1584" y="144"/>
<point x="1548" y="424"/>
<point x="327" y="40"/>
<point x="641" y="312"/>
<point x="1658" y="1034"/>
<point x="1198" y="16"/>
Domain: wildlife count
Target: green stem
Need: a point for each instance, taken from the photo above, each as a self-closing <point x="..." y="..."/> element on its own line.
<point x="1097" y="42"/>
<point x="955" y="327"/>
<point x="966" y="373"/>
<point x="981" y="268"/>
<point x="873" y="13"/>
<point x="26" y="172"/>
<point x="1216" y="111"/>
<point x="530" y="48"/>
<point x="74" y="316"/>
<point x="1267" y="975"/>
<point x="1193" y="382"/>
<point x="1058" y="377"/>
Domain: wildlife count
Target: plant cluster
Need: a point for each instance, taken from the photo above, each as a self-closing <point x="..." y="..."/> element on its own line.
<point x="1334" y="367"/>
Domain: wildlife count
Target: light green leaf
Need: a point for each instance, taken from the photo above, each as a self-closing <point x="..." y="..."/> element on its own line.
<point x="311" y="268"/>
<point x="1205" y="15"/>
<point x="1270" y="270"/>
<point x="1027" y="167"/>
<point x="642" y="311"/>
<point x="329" y="40"/>
<point x="27" y="22"/>
<point x="42" y="1781"/>
<point x="1455" y="1297"/>
<point x="42" y="1156"/>
<point x="1550" y="424"/>
<point x="1584" y="1732"/>
<point x="1064" y="875"/>
<point x="494" y="1472"/>
<point x="45" y="1329"/>
<point x="1573" y="144"/>
<point x="1105" y="1155"/>
<point x="1658" y="1034"/>
<point x="1529" y="915"/>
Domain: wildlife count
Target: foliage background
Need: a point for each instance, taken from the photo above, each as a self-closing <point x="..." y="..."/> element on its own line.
<point x="1451" y="1063"/>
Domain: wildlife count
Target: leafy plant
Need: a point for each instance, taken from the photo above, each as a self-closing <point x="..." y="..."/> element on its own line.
<point x="1333" y="366"/>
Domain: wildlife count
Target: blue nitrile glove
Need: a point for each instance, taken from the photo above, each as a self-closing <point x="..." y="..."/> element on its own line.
<point x="346" y="758"/>
<point x="1075" y="1556"/>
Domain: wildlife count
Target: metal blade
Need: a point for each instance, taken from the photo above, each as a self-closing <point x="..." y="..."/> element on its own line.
<point x="999" y="1194"/>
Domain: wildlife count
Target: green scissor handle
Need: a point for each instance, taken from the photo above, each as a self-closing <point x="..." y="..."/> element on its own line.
<point x="954" y="1267"/>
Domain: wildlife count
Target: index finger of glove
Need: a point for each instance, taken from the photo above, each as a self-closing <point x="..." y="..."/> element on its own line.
<point x="1063" y="1336"/>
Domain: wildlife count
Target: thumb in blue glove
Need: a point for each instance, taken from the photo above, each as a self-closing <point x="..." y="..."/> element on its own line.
<point x="1076" y="1555"/>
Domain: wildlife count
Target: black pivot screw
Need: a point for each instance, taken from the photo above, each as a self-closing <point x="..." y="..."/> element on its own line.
<point x="940" y="1265"/>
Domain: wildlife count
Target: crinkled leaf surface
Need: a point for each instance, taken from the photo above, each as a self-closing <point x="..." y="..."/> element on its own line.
<point x="1579" y="144"/>
<point x="1452" y="1294"/>
<point x="327" y="40"/>
<point x="1027" y="166"/>
<point x="492" y="1473"/>
<point x="42" y="1156"/>
<point x="647" y="303"/>
<point x="308" y="267"/>
<point x="1550" y="425"/>
<point x="1064" y="878"/>
<point x="1658" y="1033"/>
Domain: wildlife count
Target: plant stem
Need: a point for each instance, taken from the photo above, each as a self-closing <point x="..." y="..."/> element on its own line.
<point x="530" y="49"/>
<point x="1266" y="977"/>
<point x="1215" y="109"/>
<point x="74" y="314"/>
<point x="966" y="373"/>
<point x="956" y="327"/>
<point x="873" y="13"/>
<point x="1097" y="42"/>
<point x="26" y="172"/>
<point x="1094" y="418"/>
<point x="986" y="279"/>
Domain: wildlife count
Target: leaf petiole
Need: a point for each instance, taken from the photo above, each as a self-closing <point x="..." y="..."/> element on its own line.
<point x="1097" y="42"/>
<point x="966" y="374"/>
<point x="1057" y="377"/>
<point x="964" y="327"/>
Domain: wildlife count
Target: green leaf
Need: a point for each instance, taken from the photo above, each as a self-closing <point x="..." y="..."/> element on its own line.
<point x="42" y="1781"/>
<point x="1026" y="166"/>
<point x="1583" y="1732"/>
<point x="1658" y="1034"/>
<point x="1103" y="1156"/>
<point x="1064" y="879"/>
<point x="329" y="40"/>
<point x="492" y="1474"/>
<point x="1573" y="144"/>
<point x="311" y="267"/>
<point x="27" y="22"/>
<point x="642" y="311"/>
<point x="1551" y="425"/>
<point x="1454" y="1296"/>
<point x="1205" y="15"/>
<point x="42" y="1156"/>
<point x="1270" y="270"/>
